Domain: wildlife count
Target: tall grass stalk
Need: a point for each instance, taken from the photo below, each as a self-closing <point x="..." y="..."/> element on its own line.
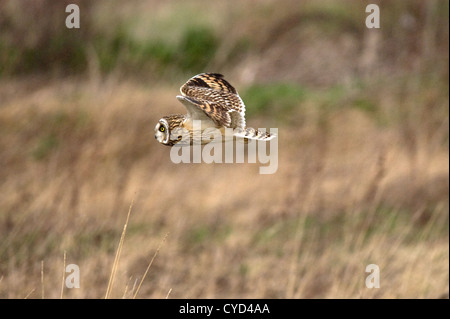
<point x="118" y="252"/>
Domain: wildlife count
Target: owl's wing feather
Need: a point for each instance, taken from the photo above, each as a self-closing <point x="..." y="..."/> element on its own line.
<point x="207" y="113"/>
<point x="215" y="97"/>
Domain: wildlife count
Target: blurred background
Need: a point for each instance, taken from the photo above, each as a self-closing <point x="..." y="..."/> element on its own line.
<point x="363" y="174"/>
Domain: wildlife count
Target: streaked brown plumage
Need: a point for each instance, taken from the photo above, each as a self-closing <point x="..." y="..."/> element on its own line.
<point x="208" y="97"/>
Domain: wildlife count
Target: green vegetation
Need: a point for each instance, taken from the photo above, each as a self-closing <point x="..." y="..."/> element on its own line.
<point x="273" y="98"/>
<point x="45" y="145"/>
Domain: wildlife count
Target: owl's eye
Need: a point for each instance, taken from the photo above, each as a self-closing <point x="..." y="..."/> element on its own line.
<point x="162" y="128"/>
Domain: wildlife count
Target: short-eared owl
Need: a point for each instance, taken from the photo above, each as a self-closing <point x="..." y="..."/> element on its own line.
<point x="209" y="98"/>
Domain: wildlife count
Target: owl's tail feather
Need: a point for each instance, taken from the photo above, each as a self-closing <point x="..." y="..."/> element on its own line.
<point x="253" y="134"/>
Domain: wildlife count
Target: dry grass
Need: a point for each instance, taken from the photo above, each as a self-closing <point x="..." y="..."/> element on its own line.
<point x="342" y="198"/>
<point x="362" y="178"/>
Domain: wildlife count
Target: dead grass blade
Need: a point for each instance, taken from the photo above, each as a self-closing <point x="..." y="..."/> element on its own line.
<point x="149" y="265"/>
<point x="118" y="252"/>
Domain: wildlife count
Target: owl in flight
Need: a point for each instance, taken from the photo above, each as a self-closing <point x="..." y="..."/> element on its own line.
<point x="212" y="101"/>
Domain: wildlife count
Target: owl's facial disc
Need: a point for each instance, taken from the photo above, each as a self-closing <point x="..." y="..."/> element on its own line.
<point x="162" y="131"/>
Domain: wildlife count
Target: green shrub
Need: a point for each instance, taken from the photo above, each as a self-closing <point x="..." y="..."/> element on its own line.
<point x="262" y="98"/>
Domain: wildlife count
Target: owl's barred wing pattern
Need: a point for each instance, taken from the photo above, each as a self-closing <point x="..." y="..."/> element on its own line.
<point x="215" y="97"/>
<point x="209" y="98"/>
<point x="209" y="80"/>
<point x="196" y="110"/>
<point x="207" y="112"/>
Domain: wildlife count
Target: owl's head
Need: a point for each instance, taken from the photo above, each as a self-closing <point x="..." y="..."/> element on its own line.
<point x="162" y="132"/>
<point x="169" y="129"/>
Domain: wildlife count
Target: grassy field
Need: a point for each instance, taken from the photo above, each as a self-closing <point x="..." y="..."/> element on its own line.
<point x="363" y="162"/>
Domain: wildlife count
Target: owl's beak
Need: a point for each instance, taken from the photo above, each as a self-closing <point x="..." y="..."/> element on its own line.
<point x="159" y="137"/>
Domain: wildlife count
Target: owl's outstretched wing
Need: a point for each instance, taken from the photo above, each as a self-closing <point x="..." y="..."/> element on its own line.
<point x="208" y="96"/>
